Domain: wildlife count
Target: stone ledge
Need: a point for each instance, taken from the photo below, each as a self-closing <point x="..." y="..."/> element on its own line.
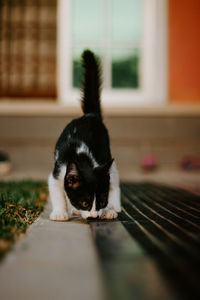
<point x="49" y="261"/>
<point x="29" y="107"/>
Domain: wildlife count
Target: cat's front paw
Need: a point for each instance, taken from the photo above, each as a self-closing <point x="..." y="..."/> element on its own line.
<point x="108" y="214"/>
<point x="59" y="215"/>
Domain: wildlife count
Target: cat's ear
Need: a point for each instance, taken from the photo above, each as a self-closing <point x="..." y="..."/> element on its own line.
<point x="73" y="178"/>
<point x="72" y="169"/>
<point x="104" y="169"/>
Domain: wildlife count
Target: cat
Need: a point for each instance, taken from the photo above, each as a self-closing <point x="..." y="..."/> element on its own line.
<point x="85" y="179"/>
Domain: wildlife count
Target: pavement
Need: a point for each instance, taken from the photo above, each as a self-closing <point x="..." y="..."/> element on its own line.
<point x="72" y="260"/>
<point x="79" y="260"/>
<point x="54" y="260"/>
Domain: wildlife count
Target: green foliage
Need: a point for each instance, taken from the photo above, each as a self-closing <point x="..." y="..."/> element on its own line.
<point x="77" y="74"/>
<point x="20" y="204"/>
<point x="125" y="72"/>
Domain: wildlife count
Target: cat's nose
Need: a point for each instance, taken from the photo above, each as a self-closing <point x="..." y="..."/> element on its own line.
<point x="93" y="214"/>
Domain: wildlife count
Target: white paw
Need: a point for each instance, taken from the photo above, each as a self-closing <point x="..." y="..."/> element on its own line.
<point x="59" y="215"/>
<point x="109" y="214"/>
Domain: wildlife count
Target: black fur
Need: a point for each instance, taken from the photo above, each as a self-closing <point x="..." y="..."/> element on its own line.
<point x="90" y="130"/>
<point x="91" y="84"/>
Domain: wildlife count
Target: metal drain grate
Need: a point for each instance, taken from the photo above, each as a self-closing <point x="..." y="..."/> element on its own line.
<point x="166" y="223"/>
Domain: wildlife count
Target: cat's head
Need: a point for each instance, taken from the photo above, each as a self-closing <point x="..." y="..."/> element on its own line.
<point x="87" y="187"/>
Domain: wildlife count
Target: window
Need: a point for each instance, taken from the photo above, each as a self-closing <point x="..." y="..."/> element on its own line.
<point x="130" y="39"/>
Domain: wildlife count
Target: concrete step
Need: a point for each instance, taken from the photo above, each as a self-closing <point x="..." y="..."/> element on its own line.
<point x="31" y="140"/>
<point x="55" y="260"/>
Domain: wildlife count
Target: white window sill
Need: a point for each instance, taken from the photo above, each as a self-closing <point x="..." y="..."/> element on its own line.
<point x="29" y="107"/>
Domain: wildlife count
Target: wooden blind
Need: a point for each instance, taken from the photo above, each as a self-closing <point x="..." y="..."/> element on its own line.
<point x="28" y="48"/>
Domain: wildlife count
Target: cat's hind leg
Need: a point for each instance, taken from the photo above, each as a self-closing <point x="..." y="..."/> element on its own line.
<point x="58" y="198"/>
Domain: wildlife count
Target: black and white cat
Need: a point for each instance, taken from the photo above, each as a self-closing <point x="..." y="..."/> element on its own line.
<point x="85" y="179"/>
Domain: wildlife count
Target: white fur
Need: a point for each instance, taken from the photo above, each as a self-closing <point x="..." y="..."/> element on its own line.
<point x="58" y="197"/>
<point x="85" y="214"/>
<point x="56" y="155"/>
<point x="114" y="193"/>
<point x="83" y="148"/>
<point x="93" y="213"/>
<point x="75" y="212"/>
<point x="109" y="214"/>
<point x="114" y="203"/>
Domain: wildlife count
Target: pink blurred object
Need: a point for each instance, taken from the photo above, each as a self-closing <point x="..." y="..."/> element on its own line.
<point x="190" y="163"/>
<point x="149" y="162"/>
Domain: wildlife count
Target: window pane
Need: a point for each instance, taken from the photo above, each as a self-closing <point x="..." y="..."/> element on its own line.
<point x="87" y="19"/>
<point x="125" y="68"/>
<point x="126" y="20"/>
<point x="77" y="67"/>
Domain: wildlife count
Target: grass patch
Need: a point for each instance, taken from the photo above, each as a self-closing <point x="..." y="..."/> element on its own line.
<point x="21" y="202"/>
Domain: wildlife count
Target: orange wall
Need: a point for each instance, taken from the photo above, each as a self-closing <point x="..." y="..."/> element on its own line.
<point x="184" y="50"/>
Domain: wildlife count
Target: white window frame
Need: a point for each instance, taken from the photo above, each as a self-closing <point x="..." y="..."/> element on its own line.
<point x="153" y="89"/>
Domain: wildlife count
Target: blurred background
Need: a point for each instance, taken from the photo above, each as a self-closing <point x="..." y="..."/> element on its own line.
<point x="149" y="52"/>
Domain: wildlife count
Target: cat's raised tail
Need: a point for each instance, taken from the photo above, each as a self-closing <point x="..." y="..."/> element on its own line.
<point x="91" y="84"/>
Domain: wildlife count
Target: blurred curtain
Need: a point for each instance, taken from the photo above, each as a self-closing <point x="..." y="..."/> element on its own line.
<point x="28" y="48"/>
